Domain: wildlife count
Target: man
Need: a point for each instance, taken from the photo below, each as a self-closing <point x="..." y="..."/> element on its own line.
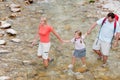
<point x="103" y="41"/>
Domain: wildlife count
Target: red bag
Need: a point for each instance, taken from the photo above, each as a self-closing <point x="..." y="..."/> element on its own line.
<point x="116" y="17"/>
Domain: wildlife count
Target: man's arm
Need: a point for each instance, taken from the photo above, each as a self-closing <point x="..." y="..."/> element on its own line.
<point x="91" y="28"/>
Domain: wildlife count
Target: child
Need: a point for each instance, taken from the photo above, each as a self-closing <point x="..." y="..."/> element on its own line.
<point x="80" y="50"/>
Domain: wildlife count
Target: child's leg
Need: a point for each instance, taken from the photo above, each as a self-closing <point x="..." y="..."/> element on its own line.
<point x="83" y="60"/>
<point x="73" y="60"/>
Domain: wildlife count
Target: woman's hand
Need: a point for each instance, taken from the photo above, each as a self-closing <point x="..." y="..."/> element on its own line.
<point x="33" y="43"/>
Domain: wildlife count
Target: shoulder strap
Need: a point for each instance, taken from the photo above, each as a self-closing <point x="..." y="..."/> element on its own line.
<point x="115" y="24"/>
<point x="103" y="21"/>
<point x="102" y="25"/>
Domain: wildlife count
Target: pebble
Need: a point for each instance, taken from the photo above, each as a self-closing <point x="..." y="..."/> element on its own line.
<point x="16" y="40"/>
<point x="4" y="78"/>
<point x="4" y="51"/>
<point x="11" y="31"/>
<point x="2" y="42"/>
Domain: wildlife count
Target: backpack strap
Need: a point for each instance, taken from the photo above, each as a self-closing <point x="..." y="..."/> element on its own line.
<point x="102" y="25"/>
<point x="115" y="24"/>
<point x="103" y="22"/>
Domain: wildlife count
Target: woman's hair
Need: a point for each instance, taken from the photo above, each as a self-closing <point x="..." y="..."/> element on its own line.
<point x="78" y="32"/>
<point x="44" y="19"/>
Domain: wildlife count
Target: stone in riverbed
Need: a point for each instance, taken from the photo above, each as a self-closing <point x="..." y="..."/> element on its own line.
<point x="2" y="0"/>
<point x="15" y="7"/>
<point x="4" y="25"/>
<point x="2" y="42"/>
<point x="12" y="32"/>
<point x="16" y="40"/>
<point x="26" y="62"/>
<point x="4" y="78"/>
<point x="79" y="77"/>
<point x="13" y="15"/>
<point x="82" y="69"/>
<point x="4" y="51"/>
<point x="2" y="33"/>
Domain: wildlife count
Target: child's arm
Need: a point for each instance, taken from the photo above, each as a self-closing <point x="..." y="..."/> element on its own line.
<point x="84" y="36"/>
<point x="66" y="41"/>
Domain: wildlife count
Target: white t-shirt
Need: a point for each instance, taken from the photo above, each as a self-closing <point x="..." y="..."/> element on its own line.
<point x="107" y="30"/>
<point x="79" y="43"/>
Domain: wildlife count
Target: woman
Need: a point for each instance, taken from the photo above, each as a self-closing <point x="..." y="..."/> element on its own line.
<point x="44" y="44"/>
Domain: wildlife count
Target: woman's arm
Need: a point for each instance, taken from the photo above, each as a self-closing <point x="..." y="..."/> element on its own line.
<point x="35" y="38"/>
<point x="53" y="31"/>
<point x="66" y="41"/>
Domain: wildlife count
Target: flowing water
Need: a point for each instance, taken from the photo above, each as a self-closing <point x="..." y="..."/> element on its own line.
<point x="65" y="16"/>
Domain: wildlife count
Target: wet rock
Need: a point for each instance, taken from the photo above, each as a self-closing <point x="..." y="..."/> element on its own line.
<point x="43" y="74"/>
<point x="63" y="76"/>
<point x="105" y="77"/>
<point x="4" y="25"/>
<point x="2" y="0"/>
<point x="70" y="72"/>
<point x="13" y="15"/>
<point x="15" y="7"/>
<point x="33" y="74"/>
<point x="99" y="6"/>
<point x="91" y="1"/>
<point x="4" y="51"/>
<point x="100" y="69"/>
<point x="16" y="40"/>
<point x="2" y="33"/>
<point x="20" y="78"/>
<point x="79" y="77"/>
<point x="82" y="69"/>
<point x="26" y="62"/>
<point x="2" y="42"/>
<point x="12" y="32"/>
<point x="41" y="11"/>
<point x="5" y="78"/>
<point x="67" y="27"/>
<point x="28" y="2"/>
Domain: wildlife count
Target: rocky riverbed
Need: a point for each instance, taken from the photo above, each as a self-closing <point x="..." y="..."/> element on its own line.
<point x="19" y="60"/>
